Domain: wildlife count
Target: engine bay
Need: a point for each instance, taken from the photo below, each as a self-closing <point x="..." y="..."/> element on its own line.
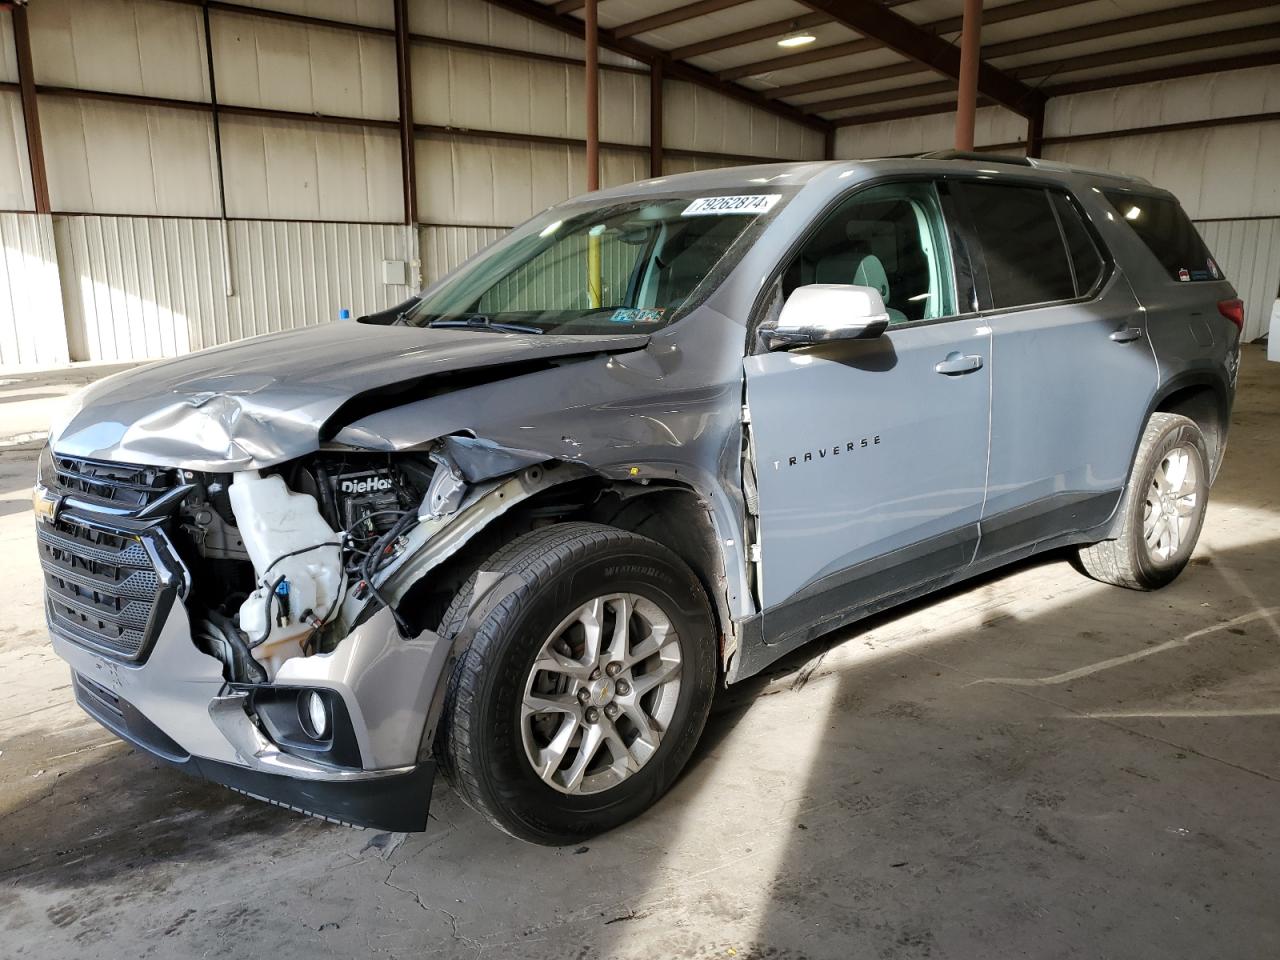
<point x="284" y="562"/>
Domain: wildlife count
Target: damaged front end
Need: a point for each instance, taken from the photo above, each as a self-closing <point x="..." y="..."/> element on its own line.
<point x="248" y="626"/>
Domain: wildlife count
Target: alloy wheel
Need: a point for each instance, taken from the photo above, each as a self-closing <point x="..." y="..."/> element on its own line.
<point x="600" y="694"/>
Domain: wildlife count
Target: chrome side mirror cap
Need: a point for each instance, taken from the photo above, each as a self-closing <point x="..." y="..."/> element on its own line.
<point x="823" y="312"/>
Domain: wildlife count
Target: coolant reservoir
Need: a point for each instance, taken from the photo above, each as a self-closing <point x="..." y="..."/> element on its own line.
<point x="287" y="537"/>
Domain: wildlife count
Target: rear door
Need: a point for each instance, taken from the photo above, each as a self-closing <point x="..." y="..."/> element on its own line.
<point x="1073" y="370"/>
<point x="871" y="455"/>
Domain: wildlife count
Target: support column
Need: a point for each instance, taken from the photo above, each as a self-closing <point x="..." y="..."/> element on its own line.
<point x="829" y="143"/>
<point x="655" y="118"/>
<point x="1035" y="132"/>
<point x="30" y="110"/>
<point x="970" y="54"/>
<point x="593" y="95"/>
<point x="404" y="86"/>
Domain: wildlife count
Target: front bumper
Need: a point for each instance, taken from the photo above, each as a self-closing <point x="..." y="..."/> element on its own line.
<point x="177" y="707"/>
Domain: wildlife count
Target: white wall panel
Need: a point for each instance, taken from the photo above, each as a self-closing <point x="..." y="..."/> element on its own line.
<point x="287" y="66"/>
<point x="465" y="88"/>
<point x="15" y="171"/>
<point x="150" y="287"/>
<point x="1249" y="253"/>
<point x="148" y="47"/>
<point x="279" y="169"/>
<point x="696" y="118"/>
<point x="500" y="183"/>
<point x="32" y="331"/>
<point x="1233" y="93"/>
<point x="479" y="22"/>
<point x="915" y="135"/>
<point x="371" y="13"/>
<point x="1217" y="172"/>
<point x="8" y="55"/>
<point x="123" y="158"/>
<point x="444" y="249"/>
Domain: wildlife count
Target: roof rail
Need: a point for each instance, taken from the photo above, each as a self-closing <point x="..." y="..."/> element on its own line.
<point x="974" y="155"/>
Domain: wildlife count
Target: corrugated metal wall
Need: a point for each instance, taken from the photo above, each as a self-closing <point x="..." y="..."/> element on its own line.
<point x="32" y="331"/>
<point x="1249" y="253"/>
<point x="444" y="249"/>
<point x="156" y="287"/>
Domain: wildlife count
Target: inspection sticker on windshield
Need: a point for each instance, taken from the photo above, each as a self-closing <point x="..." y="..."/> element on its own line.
<point x="638" y="315"/>
<point x="714" y="206"/>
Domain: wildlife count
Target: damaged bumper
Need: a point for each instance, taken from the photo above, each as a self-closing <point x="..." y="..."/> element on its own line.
<point x="370" y="770"/>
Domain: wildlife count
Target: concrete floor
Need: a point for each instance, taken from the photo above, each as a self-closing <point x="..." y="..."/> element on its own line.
<point x="1033" y="765"/>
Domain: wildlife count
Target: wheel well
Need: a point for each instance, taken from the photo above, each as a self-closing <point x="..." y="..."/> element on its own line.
<point x="674" y="516"/>
<point x="1203" y="405"/>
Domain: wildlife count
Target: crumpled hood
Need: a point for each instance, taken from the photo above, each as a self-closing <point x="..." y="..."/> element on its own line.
<point x="257" y="402"/>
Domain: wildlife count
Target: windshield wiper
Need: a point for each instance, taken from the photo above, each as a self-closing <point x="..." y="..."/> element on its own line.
<point x="479" y="321"/>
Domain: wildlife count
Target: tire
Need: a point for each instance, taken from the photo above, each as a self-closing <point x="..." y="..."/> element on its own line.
<point x="488" y="739"/>
<point x="1131" y="559"/>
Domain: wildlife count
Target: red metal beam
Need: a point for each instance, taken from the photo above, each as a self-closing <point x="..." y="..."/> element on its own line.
<point x="902" y="36"/>
<point x="736" y="39"/>
<point x="1010" y="11"/>
<point x="884" y="96"/>
<point x="1197" y="69"/>
<point x="970" y="60"/>
<point x="678" y="15"/>
<point x="592" y="30"/>
<point x="30" y="110"/>
<point x="656" y="121"/>
<point x="1035" y="133"/>
<point x="404" y="99"/>
<point x="675" y="70"/>
<point x="1044" y="41"/>
<point x="1147" y="51"/>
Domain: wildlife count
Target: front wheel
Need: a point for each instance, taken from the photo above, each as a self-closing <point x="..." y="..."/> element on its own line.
<point x="1162" y="511"/>
<point x="582" y="691"/>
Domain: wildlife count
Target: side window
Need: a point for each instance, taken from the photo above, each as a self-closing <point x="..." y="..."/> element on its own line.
<point x="1168" y="233"/>
<point x="1026" y="257"/>
<point x="1087" y="265"/>
<point x="891" y="237"/>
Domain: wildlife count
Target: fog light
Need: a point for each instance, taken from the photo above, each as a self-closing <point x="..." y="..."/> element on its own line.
<point x="314" y="714"/>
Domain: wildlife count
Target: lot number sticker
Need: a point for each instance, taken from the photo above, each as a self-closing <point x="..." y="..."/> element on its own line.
<point x="715" y="206"/>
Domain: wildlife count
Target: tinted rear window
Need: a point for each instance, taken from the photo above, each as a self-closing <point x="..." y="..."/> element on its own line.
<point x="1024" y="250"/>
<point x="1086" y="261"/>
<point x="1168" y="233"/>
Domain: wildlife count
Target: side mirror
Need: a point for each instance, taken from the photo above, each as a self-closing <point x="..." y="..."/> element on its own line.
<point x="821" y="312"/>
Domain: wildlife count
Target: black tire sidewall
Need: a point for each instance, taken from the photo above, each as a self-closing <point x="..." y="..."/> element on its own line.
<point x="1155" y="573"/>
<point x="513" y="635"/>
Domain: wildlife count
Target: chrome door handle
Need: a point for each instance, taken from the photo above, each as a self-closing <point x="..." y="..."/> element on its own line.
<point x="957" y="363"/>
<point x="1127" y="334"/>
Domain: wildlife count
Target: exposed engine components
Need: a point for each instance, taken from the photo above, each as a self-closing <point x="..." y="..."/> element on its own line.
<point x="298" y="560"/>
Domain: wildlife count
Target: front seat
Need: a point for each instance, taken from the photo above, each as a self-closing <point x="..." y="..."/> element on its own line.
<point x="860" y="268"/>
<point x="870" y="273"/>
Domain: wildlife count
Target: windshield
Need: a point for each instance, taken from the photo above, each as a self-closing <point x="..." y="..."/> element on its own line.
<point x="631" y="266"/>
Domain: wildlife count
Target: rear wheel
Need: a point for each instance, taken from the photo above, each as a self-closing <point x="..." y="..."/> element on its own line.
<point x="583" y="689"/>
<point x="1162" y="511"/>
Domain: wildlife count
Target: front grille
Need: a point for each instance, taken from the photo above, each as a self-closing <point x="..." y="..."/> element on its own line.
<point x="109" y="578"/>
<point x="102" y="587"/>
<point x="119" y="485"/>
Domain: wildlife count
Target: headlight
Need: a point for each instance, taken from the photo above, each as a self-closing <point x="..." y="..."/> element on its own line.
<point x="44" y="502"/>
<point x="46" y="473"/>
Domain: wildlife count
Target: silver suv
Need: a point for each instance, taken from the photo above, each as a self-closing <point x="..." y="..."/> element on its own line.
<point x="521" y="527"/>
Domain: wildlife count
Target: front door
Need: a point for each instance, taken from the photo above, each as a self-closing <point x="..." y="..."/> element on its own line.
<point x="871" y="456"/>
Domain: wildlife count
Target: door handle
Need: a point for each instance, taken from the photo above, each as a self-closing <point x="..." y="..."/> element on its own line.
<point x="1127" y="334"/>
<point x="957" y="363"/>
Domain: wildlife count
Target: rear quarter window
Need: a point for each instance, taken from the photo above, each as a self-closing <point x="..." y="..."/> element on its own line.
<point x="1168" y="232"/>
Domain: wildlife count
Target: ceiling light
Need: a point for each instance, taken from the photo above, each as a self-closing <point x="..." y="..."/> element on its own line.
<point x="797" y="40"/>
<point x="1133" y="213"/>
